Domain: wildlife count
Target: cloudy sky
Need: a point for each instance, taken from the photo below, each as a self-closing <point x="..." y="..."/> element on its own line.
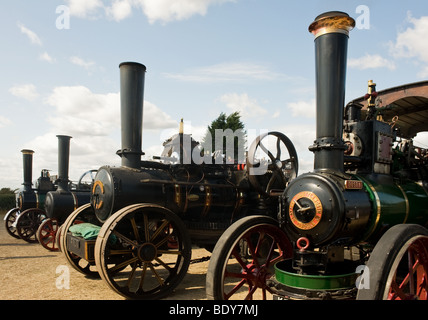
<point x="60" y="75"/>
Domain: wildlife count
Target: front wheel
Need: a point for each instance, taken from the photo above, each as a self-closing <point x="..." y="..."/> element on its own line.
<point x="398" y="265"/>
<point x="143" y="251"/>
<point x="244" y="257"/>
<point x="82" y="214"/>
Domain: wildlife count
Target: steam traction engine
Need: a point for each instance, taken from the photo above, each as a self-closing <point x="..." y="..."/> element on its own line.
<point x="365" y="200"/>
<point x="65" y="199"/>
<point x="143" y="217"/>
<point x="28" y="197"/>
<point x="42" y="210"/>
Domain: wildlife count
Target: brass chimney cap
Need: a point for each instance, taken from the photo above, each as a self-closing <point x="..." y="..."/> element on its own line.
<point x="27" y="151"/>
<point x="332" y="22"/>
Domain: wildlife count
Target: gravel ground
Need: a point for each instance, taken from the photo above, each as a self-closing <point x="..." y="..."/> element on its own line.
<point x="30" y="272"/>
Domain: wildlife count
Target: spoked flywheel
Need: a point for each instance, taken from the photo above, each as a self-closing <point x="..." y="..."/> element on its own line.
<point x="244" y="257"/>
<point x="398" y="266"/>
<point x="272" y="162"/>
<point x="143" y="251"/>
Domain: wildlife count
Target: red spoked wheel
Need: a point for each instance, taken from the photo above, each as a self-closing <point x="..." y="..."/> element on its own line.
<point x="46" y="234"/>
<point x="244" y="257"/>
<point x="398" y="266"/>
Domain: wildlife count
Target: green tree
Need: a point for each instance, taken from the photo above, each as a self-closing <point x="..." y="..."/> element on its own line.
<point x="7" y="191"/>
<point x="220" y="133"/>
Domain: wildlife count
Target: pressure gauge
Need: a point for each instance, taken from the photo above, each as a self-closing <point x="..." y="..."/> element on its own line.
<point x="305" y="210"/>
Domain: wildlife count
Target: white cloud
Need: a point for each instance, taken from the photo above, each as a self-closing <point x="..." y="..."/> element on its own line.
<point x="88" y="113"/>
<point x="119" y="10"/>
<point x="32" y="36"/>
<point x="171" y="10"/>
<point x="4" y="122"/>
<point x="46" y="57"/>
<point x="227" y="72"/>
<point x="155" y="10"/>
<point x="81" y="63"/>
<point x="303" y="108"/>
<point x="247" y="107"/>
<point x="26" y="91"/>
<point x="411" y="43"/>
<point x="371" y="61"/>
<point x="84" y="8"/>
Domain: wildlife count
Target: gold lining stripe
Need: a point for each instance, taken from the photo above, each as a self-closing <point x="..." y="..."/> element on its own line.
<point x="378" y="205"/>
<point x="407" y="202"/>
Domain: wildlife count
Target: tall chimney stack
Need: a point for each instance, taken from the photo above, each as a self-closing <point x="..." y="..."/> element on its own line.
<point x="132" y="77"/>
<point x="63" y="162"/>
<point x="331" y="31"/>
<point x="27" y="162"/>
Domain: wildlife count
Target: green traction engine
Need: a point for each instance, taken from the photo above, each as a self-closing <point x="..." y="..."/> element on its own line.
<point x="355" y="227"/>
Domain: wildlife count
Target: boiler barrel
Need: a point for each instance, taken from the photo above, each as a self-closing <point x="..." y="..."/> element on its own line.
<point x="393" y="203"/>
<point x="115" y="188"/>
<point x="59" y="205"/>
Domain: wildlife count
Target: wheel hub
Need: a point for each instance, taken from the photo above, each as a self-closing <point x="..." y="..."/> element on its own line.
<point x="147" y="252"/>
<point x="258" y="276"/>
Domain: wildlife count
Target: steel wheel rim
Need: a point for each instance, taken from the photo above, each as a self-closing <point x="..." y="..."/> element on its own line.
<point x="254" y="273"/>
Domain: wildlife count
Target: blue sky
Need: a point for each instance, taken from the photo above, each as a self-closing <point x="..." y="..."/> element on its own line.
<point x="203" y="57"/>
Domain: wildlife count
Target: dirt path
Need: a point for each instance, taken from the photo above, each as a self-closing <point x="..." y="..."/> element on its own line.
<point x="30" y="272"/>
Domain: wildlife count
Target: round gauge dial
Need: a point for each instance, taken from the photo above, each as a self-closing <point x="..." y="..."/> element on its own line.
<point x="305" y="210"/>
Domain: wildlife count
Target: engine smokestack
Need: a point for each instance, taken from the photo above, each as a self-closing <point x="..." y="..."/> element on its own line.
<point x="331" y="31"/>
<point x="132" y="77"/>
<point x="63" y="162"/>
<point x="27" y="162"/>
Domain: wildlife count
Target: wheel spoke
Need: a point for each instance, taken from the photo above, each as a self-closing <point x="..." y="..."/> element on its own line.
<point x="278" y="148"/>
<point x="126" y="239"/>
<point x="159" y="230"/>
<point x="235" y="289"/>
<point x="178" y="253"/>
<point x="158" y="278"/>
<point x="146" y="227"/>
<point x="135" y="229"/>
<point x="123" y="264"/>
<point x="163" y="264"/>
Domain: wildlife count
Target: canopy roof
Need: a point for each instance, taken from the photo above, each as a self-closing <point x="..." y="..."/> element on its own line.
<point x="408" y="102"/>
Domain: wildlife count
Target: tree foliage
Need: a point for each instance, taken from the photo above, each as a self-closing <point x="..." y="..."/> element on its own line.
<point x="230" y="126"/>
